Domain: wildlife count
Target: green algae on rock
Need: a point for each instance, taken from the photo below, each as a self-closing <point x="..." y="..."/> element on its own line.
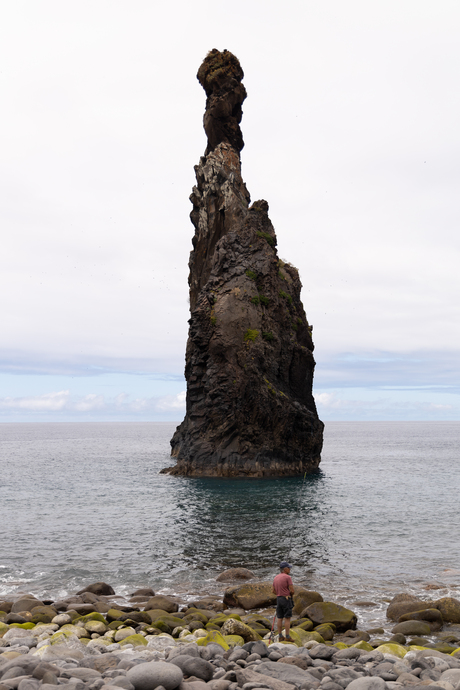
<point x="249" y="368"/>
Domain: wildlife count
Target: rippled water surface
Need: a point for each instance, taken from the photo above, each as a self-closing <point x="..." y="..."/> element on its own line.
<point x="84" y="502"/>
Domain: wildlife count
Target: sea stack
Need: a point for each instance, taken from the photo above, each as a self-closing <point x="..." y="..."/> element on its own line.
<point x="249" y="360"/>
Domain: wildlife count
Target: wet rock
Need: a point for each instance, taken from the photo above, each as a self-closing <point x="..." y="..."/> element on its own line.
<point x="432" y="616"/>
<point x="449" y="609"/>
<point x="26" y="603"/>
<point x="303" y="598"/>
<point x="250" y="596"/>
<point x="328" y="612"/>
<point x="143" y="591"/>
<point x="412" y="627"/>
<point x="161" y="602"/>
<point x="404" y="603"/>
<point x="98" y="588"/>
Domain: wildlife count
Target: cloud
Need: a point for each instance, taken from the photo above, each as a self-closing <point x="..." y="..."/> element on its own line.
<point x="362" y="404"/>
<point x="52" y="405"/>
<point x="49" y="402"/>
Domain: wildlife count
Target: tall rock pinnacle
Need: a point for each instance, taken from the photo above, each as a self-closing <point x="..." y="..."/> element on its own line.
<point x="249" y="359"/>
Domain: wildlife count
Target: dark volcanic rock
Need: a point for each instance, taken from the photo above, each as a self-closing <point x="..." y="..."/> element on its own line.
<point x="249" y="360"/>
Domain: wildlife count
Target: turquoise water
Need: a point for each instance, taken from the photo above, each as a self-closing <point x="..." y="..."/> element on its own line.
<point x="84" y="502"/>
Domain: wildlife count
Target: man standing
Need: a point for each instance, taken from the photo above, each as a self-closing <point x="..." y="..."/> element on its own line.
<point x="284" y="590"/>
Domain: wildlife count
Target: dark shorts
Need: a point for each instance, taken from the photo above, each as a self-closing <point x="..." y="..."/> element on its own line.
<point x="283" y="607"/>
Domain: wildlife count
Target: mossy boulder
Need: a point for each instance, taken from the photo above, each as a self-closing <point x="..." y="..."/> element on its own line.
<point x="114" y="625"/>
<point x="221" y="619"/>
<point x="234" y="640"/>
<point x="96" y="627"/>
<point x="312" y="636"/>
<point x="3" y="628"/>
<point x="135" y="640"/>
<point x="431" y="616"/>
<point x="362" y="644"/>
<point x="253" y="595"/>
<point x="23" y="626"/>
<point x="122" y="633"/>
<point x="449" y="608"/>
<point x="113" y="615"/>
<point x="394" y="649"/>
<point x="328" y="612"/>
<point x="235" y="627"/>
<point x="326" y="630"/>
<point x="304" y="598"/>
<point x="305" y="625"/>
<point x="255" y="619"/>
<point x="301" y="636"/>
<point x="195" y="616"/>
<point x="77" y="630"/>
<point x="215" y="637"/>
<point x="412" y="628"/>
<point x="93" y="616"/>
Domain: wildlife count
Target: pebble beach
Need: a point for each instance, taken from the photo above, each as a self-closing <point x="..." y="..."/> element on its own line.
<point x="97" y="639"/>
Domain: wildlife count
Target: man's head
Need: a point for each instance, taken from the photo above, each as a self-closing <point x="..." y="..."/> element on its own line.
<point x="284" y="566"/>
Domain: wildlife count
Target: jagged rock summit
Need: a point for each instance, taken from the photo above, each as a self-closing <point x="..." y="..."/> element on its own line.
<point x="249" y="359"/>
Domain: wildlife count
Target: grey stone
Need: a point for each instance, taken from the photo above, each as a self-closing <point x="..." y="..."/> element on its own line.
<point x="288" y="673"/>
<point x="368" y="683"/>
<point x="146" y="676"/>
<point x="28" y="641"/>
<point x="29" y="684"/>
<point x="238" y="653"/>
<point x="192" y="666"/>
<point x="249" y="676"/>
<point x="14" y="682"/>
<point x="84" y="674"/>
<point x="27" y="663"/>
<point x="451" y="676"/>
<point x="211" y="651"/>
<point x="122" y="682"/>
<point x="342" y="676"/>
<point x="50" y="678"/>
<point x="350" y="653"/>
<point x="330" y="685"/>
<point x="191" y="649"/>
<point x="322" y="651"/>
<point x="218" y="684"/>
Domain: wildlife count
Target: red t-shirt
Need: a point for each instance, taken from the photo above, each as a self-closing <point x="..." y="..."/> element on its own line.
<point x="281" y="585"/>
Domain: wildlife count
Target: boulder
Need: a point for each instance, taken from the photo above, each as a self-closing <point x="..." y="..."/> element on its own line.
<point x="99" y="588"/>
<point x="26" y="603"/>
<point x="449" y="609"/>
<point x="431" y="616"/>
<point x="235" y="574"/>
<point x="253" y="595"/>
<point x="154" y="673"/>
<point x="144" y="591"/>
<point x="304" y="598"/>
<point x="160" y="602"/>
<point x="234" y="627"/>
<point x="369" y="683"/>
<point x="412" y="627"/>
<point x="258" y="680"/>
<point x="285" y="672"/>
<point x="194" y="666"/>
<point x="405" y="603"/>
<point x="328" y="612"/>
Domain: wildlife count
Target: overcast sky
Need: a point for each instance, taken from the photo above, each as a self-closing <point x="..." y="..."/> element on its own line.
<point x="352" y="135"/>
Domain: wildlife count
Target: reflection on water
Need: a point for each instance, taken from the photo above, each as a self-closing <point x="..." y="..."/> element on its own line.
<point x="86" y="502"/>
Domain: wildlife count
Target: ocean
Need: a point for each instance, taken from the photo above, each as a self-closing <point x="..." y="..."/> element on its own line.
<point x="85" y="502"/>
